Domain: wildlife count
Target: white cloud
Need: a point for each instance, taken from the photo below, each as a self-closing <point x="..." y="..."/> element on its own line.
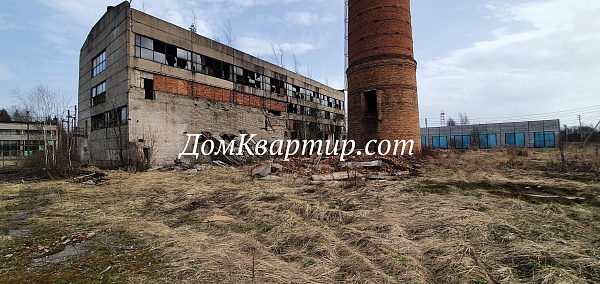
<point x="550" y="64"/>
<point x="308" y="18"/>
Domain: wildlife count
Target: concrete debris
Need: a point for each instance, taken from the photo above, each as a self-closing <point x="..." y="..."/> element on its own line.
<point x="91" y="178"/>
<point x="368" y="164"/>
<point x="275" y="168"/>
<point x="200" y="167"/>
<point x="271" y="178"/>
<point x="262" y="170"/>
<point x="69" y="252"/>
<point x="336" y="176"/>
<point x="221" y="164"/>
<point x="370" y="167"/>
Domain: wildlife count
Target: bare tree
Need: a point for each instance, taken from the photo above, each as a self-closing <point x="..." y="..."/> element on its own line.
<point x="42" y="103"/>
<point x="451" y="122"/>
<point x="278" y="55"/>
<point x="228" y="33"/>
<point x="297" y="63"/>
<point x="463" y="119"/>
<point x="308" y="72"/>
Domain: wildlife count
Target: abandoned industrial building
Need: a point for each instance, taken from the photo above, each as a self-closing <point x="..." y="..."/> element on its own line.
<point x="528" y="134"/>
<point x="145" y="83"/>
<point x="21" y="139"/>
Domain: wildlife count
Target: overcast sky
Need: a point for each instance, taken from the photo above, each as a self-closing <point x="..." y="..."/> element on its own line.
<point x="495" y="60"/>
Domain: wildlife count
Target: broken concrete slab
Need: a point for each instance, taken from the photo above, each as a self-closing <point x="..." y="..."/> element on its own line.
<point x="336" y="176"/>
<point x="18" y="233"/>
<point x="368" y="164"/>
<point x="262" y="170"/>
<point x="276" y="168"/>
<point x="69" y="252"/>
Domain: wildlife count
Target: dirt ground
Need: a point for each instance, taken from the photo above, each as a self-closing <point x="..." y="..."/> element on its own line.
<point x="503" y="216"/>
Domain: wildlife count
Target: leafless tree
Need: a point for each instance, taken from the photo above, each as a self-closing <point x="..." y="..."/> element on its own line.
<point x="42" y="103"/>
<point x="463" y="119"/>
<point x="278" y="54"/>
<point x="451" y="122"/>
<point x="228" y="34"/>
<point x="297" y="63"/>
<point x="308" y="72"/>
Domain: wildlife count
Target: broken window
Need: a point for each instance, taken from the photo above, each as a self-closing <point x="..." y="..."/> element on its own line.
<point x="98" y="121"/>
<point x="371" y="102"/>
<point x="183" y="57"/>
<point x="171" y="53"/>
<point x="227" y="71"/>
<point x="217" y="68"/>
<point x="199" y="63"/>
<point x="159" y="52"/>
<point x="148" y="89"/>
<point x="111" y="118"/>
<point x="275" y="112"/>
<point x="99" y="94"/>
<point x="210" y="64"/>
<point x="99" y="63"/>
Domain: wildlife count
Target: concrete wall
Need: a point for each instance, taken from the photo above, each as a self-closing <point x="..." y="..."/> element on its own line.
<point x="162" y="124"/>
<point x="111" y="34"/>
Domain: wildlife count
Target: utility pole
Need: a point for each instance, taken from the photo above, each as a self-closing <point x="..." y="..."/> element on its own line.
<point x="580" y="130"/>
<point x="588" y="138"/>
<point x="427" y="131"/>
<point x="566" y="134"/>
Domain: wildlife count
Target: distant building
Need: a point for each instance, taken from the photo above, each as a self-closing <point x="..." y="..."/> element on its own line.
<point x="21" y="139"/>
<point x="529" y="134"/>
<point x="145" y="83"/>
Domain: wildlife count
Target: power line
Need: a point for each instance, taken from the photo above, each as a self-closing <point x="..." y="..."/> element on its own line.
<point x="594" y="110"/>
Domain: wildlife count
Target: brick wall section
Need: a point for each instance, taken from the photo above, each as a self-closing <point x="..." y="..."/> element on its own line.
<point x="187" y="88"/>
<point x="381" y="58"/>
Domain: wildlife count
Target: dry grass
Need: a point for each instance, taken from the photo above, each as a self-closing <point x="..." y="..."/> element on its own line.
<point x="471" y="218"/>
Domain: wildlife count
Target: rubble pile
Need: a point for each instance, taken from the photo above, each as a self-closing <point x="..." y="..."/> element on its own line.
<point x="91" y="177"/>
<point x="320" y="168"/>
